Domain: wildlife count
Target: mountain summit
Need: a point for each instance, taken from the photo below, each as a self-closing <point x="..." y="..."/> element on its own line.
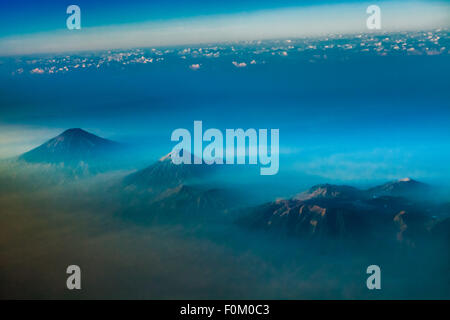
<point x="71" y="147"/>
<point x="406" y="187"/>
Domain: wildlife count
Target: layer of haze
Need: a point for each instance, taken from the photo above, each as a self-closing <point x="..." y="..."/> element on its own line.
<point x="45" y="228"/>
<point x="253" y="25"/>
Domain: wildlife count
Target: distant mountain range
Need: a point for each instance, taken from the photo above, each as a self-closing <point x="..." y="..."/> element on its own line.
<point x="391" y="212"/>
<point x="72" y="147"/>
<point x="407" y="188"/>
<point x="394" y="211"/>
<point x="347" y="213"/>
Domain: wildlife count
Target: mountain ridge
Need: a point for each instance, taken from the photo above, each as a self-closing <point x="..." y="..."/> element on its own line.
<point x="344" y="212"/>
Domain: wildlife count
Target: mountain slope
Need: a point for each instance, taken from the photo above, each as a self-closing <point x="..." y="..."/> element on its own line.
<point x="165" y="174"/>
<point x="168" y="192"/>
<point x="186" y="204"/>
<point x="71" y="147"/>
<point x="408" y="188"/>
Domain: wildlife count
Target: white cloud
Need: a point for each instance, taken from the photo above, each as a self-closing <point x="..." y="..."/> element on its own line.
<point x="239" y="64"/>
<point x="195" y="66"/>
<point x="37" y="71"/>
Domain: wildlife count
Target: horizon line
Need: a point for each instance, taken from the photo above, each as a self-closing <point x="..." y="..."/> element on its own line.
<point x="294" y="22"/>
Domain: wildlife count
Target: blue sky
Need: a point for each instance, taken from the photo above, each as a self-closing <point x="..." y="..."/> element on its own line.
<point x="28" y="16"/>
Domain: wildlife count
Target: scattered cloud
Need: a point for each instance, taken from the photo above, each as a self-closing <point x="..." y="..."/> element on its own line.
<point x="37" y="71"/>
<point x="194" y="66"/>
<point x="239" y="64"/>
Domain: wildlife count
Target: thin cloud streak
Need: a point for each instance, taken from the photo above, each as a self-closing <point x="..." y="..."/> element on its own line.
<point x="260" y="25"/>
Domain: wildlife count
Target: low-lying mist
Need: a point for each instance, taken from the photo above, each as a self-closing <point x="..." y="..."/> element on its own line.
<point x="49" y="226"/>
